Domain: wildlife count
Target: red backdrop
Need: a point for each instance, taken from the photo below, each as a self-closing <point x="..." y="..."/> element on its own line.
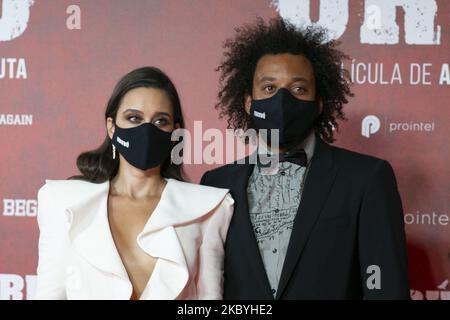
<point x="55" y="81"/>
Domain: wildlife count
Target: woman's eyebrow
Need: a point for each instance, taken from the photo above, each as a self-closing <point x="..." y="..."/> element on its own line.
<point x="163" y="114"/>
<point x="132" y="110"/>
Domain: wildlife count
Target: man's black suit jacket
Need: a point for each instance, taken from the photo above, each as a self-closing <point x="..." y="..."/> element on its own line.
<point x="348" y="231"/>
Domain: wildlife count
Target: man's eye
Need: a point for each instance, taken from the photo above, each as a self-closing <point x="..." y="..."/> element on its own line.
<point x="268" y="88"/>
<point x="299" y="90"/>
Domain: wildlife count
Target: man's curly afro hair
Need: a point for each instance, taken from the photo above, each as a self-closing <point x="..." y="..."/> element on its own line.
<point x="252" y="41"/>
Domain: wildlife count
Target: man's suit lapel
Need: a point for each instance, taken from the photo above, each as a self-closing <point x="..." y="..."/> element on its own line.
<point x="317" y="186"/>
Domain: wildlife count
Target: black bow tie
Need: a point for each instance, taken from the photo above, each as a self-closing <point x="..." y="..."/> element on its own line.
<point x="297" y="157"/>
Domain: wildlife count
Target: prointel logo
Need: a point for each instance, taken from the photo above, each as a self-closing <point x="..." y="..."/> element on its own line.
<point x="370" y="125"/>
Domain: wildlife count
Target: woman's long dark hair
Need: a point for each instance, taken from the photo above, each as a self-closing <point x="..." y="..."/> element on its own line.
<point x="98" y="165"/>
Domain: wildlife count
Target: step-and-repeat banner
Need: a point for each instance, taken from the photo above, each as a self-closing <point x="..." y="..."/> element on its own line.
<point x="59" y="61"/>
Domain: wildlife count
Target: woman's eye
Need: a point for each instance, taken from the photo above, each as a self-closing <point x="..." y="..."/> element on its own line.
<point x="161" y="122"/>
<point x="134" y="119"/>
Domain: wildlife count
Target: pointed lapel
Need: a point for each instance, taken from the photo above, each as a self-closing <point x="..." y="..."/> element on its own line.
<point x="171" y="272"/>
<point x="181" y="203"/>
<point x="90" y="233"/>
<point x="91" y="236"/>
<point x="317" y="186"/>
<point x="243" y="225"/>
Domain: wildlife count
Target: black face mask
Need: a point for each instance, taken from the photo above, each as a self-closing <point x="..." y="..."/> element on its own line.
<point x="294" y="118"/>
<point x="145" y="146"/>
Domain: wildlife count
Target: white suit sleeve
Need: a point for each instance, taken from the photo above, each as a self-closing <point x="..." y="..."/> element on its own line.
<point x="211" y="255"/>
<point x="53" y="244"/>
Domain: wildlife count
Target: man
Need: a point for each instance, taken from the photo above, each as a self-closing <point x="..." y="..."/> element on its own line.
<point x="323" y="222"/>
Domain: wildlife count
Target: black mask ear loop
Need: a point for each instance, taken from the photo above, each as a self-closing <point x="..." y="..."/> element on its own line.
<point x="175" y="142"/>
<point x="112" y="144"/>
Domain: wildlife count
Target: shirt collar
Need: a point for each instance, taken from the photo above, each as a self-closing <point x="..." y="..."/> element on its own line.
<point x="308" y="144"/>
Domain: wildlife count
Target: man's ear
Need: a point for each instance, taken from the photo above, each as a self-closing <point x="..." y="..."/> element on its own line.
<point x="248" y="103"/>
<point x="110" y="127"/>
<point x="320" y="101"/>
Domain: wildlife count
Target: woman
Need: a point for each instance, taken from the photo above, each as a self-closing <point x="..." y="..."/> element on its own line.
<point x="129" y="227"/>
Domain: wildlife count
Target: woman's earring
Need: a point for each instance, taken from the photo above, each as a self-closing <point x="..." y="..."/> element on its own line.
<point x="114" y="151"/>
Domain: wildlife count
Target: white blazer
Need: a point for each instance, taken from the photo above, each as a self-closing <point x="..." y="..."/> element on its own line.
<point x="78" y="258"/>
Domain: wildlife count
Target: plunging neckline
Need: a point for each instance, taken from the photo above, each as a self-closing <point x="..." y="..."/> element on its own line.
<point x="150" y="218"/>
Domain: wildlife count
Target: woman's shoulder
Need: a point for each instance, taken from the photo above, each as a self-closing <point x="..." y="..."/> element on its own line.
<point x="192" y="201"/>
<point x="200" y="193"/>
<point x="210" y="207"/>
<point x="58" y="190"/>
<point x="68" y="185"/>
